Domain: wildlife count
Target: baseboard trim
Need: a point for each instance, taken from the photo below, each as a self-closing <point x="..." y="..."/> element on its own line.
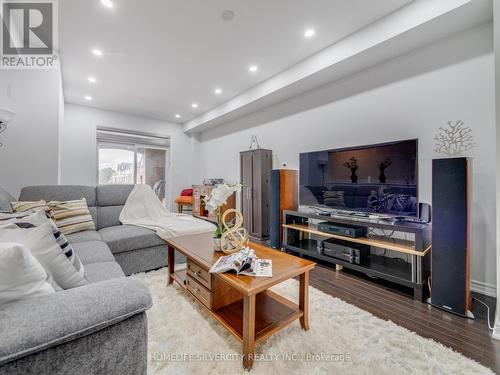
<point x="480" y="287"/>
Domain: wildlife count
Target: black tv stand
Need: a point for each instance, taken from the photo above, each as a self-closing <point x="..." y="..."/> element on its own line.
<point x="399" y="250"/>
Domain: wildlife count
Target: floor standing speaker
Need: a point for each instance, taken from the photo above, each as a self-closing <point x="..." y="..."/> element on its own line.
<point x="450" y="235"/>
<point x="284" y="196"/>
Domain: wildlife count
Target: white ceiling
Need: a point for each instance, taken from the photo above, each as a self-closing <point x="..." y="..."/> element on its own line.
<point x="405" y="30"/>
<point x="162" y="55"/>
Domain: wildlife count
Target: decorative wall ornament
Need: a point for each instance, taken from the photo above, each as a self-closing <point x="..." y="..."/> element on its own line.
<point x="454" y="139"/>
<point x="352" y="165"/>
<point x="382" y="167"/>
<point x="254" y="143"/>
<point x="5" y="117"/>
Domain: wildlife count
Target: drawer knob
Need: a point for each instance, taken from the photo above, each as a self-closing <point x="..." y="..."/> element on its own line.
<point x="197" y="273"/>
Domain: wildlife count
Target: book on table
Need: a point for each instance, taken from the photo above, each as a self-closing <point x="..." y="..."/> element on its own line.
<point x="244" y="262"/>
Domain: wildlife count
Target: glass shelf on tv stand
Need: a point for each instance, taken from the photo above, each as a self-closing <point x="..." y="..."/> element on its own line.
<point x="329" y="212"/>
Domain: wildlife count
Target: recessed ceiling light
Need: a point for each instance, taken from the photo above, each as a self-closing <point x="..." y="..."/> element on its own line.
<point x="218" y="91"/>
<point x="253" y="68"/>
<point x="309" y="33"/>
<point x="91" y="79"/>
<point x="228" y="15"/>
<point x="88" y="98"/>
<point x="194" y="105"/>
<point x="107" y="3"/>
<point x="177" y="116"/>
<point x="97" y="52"/>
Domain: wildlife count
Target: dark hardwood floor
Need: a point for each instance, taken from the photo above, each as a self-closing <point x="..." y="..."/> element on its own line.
<point x="390" y="302"/>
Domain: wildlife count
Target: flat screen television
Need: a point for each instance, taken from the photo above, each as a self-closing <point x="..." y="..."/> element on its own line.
<point x="381" y="178"/>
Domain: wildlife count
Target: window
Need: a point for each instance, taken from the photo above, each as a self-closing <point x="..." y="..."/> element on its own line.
<point x="132" y="158"/>
<point x="116" y="164"/>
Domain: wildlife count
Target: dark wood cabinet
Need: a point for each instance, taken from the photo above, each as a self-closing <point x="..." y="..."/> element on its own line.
<point x="255" y="170"/>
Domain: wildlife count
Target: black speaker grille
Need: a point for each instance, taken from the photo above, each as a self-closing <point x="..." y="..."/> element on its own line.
<point x="274" y="225"/>
<point x="449" y="233"/>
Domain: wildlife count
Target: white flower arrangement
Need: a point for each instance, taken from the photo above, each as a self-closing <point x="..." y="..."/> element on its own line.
<point x="217" y="198"/>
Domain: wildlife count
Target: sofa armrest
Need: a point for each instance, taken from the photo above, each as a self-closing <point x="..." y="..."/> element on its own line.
<point x="32" y="325"/>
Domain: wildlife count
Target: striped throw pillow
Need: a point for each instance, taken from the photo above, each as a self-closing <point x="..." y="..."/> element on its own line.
<point x="71" y="216"/>
<point x="30" y="219"/>
<point x="21" y="206"/>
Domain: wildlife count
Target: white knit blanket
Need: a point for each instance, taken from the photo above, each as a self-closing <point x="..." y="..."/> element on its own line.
<point x="144" y="209"/>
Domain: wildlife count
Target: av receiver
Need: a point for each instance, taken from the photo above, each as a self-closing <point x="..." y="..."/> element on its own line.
<point x="342" y="230"/>
<point x="346" y="251"/>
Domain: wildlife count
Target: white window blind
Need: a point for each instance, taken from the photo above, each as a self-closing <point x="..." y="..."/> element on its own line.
<point x="111" y="135"/>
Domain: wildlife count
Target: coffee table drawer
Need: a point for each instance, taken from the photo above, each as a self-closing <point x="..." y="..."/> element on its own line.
<point x="199" y="274"/>
<point x="199" y="291"/>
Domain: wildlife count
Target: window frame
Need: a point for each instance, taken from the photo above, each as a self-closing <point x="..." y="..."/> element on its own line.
<point x="135" y="146"/>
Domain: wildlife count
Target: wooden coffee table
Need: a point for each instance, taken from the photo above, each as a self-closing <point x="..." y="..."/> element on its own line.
<point x="244" y="305"/>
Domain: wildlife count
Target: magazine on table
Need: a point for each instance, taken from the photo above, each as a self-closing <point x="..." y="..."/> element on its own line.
<point x="244" y="262"/>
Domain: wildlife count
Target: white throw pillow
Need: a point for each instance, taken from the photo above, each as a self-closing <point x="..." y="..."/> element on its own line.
<point x="42" y="244"/>
<point x="21" y="275"/>
<point x="36" y="218"/>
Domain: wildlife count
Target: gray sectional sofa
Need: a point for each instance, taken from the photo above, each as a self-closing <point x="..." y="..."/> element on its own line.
<point x="100" y="328"/>
<point x="135" y="249"/>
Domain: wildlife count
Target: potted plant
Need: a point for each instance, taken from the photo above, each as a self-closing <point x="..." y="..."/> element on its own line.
<point x="214" y="202"/>
<point x="352" y="165"/>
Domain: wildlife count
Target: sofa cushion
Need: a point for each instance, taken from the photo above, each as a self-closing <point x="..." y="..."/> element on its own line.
<point x="93" y="252"/>
<point x="122" y="238"/>
<point x="112" y="195"/>
<point x="93" y="213"/>
<point x="95" y="272"/>
<point x="108" y="216"/>
<point x="59" y="193"/>
<point x="187" y="192"/>
<point x="86" y="235"/>
<point x="5" y="199"/>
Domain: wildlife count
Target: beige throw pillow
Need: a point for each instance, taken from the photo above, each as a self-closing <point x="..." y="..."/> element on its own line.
<point x="21" y="206"/>
<point x="71" y="216"/>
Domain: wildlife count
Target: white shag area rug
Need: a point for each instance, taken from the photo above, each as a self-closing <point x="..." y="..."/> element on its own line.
<point x="342" y="339"/>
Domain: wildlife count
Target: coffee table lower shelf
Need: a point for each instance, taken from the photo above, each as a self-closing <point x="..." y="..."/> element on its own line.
<point x="274" y="312"/>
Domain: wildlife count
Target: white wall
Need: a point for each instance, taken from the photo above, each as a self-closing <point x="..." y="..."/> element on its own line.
<point x="409" y="97"/>
<point x="79" y="146"/>
<point x="31" y="141"/>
